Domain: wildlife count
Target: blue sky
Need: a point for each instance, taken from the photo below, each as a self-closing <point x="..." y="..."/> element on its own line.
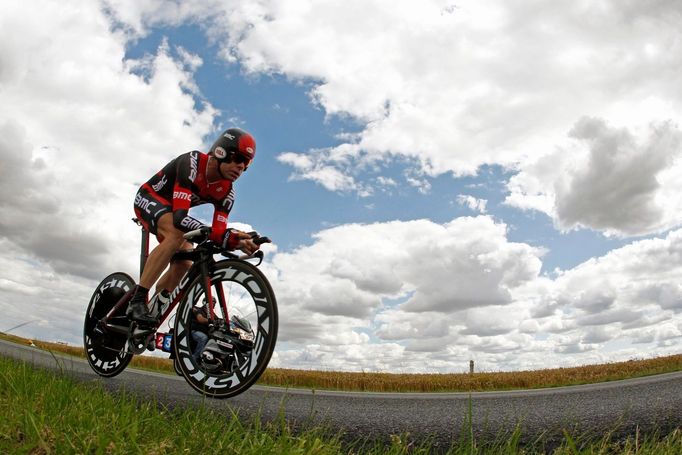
<point x="447" y="183"/>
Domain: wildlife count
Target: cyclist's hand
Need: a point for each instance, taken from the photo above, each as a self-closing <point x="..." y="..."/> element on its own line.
<point x="246" y="243"/>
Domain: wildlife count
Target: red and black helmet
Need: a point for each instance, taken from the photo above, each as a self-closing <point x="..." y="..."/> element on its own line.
<point x="234" y="145"/>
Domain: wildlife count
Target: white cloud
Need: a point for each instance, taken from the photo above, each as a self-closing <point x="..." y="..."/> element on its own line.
<point x="475" y="204"/>
<point x="386" y="181"/>
<point x="331" y="289"/>
<point x="492" y="320"/>
<point x="137" y="16"/>
<point x="630" y="295"/>
<point x="395" y="324"/>
<point x="607" y="179"/>
<point x="80" y="129"/>
<point x="458" y="88"/>
<point x="634" y="277"/>
<point x="313" y="167"/>
<point x="32" y="293"/>
<point x="83" y="127"/>
<point x="622" y="305"/>
<point x="353" y="357"/>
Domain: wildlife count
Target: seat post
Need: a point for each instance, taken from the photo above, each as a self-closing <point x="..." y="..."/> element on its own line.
<point x="144" y="245"/>
<point x="144" y="249"/>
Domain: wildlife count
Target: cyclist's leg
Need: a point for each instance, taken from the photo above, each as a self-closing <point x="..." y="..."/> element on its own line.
<point x="175" y="272"/>
<point x="171" y="240"/>
<point x="177" y="269"/>
<point x="150" y="208"/>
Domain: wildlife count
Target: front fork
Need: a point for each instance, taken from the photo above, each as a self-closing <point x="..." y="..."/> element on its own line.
<point x="207" y="284"/>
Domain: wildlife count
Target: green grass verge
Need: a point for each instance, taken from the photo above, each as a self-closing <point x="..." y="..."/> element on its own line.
<point x="45" y="413"/>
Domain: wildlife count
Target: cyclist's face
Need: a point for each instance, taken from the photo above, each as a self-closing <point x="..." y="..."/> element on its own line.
<point x="232" y="170"/>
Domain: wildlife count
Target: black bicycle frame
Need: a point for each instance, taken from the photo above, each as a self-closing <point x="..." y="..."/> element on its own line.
<point x="202" y="260"/>
<point x="144" y="245"/>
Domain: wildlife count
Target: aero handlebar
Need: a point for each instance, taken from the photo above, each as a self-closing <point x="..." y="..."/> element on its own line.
<point x="205" y="230"/>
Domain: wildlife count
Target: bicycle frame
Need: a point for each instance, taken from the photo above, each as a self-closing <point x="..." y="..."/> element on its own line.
<point x="144" y="245"/>
<point x="202" y="259"/>
<point x="239" y="346"/>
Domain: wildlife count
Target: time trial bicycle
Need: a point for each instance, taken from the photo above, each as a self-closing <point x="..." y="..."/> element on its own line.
<point x="241" y="310"/>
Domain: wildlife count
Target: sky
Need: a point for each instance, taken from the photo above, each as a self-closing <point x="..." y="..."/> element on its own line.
<point x="443" y="181"/>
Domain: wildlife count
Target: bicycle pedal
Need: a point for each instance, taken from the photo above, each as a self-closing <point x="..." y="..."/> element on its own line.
<point x="136" y="346"/>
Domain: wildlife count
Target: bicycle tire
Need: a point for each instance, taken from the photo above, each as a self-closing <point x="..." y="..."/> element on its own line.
<point x="106" y="352"/>
<point x="176" y="367"/>
<point x="239" y="276"/>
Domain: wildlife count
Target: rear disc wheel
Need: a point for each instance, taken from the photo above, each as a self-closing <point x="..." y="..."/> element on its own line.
<point x="106" y="351"/>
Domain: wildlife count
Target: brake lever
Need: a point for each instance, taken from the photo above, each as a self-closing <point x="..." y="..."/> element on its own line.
<point x="257" y="255"/>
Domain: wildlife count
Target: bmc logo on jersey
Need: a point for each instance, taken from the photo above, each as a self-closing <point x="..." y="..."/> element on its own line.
<point x="161" y="184"/>
<point x="181" y="195"/>
<point x="229" y="201"/>
<point x="190" y="223"/>
<point x="194" y="166"/>
<point x="144" y="203"/>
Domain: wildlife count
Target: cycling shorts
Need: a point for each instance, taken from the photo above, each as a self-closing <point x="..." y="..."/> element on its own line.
<point x="149" y="207"/>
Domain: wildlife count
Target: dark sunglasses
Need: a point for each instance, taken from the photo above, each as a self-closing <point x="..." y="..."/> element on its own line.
<point x="238" y="158"/>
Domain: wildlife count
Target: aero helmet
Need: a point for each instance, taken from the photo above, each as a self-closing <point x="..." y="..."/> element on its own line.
<point x="234" y="144"/>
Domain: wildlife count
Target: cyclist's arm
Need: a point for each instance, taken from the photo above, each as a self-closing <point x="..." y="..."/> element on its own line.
<point x="219" y="232"/>
<point x="182" y="193"/>
<point x="232" y="238"/>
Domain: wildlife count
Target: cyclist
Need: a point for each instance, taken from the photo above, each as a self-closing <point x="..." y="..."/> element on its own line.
<point x="162" y="205"/>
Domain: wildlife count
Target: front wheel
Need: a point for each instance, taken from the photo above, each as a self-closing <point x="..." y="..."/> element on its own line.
<point x="106" y="351"/>
<point x="240" y="346"/>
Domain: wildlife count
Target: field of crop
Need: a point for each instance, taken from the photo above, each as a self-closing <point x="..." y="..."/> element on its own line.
<point x="391" y="382"/>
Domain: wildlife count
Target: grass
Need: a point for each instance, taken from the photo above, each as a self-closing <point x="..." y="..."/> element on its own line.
<point x="46" y="413"/>
<point x="392" y="382"/>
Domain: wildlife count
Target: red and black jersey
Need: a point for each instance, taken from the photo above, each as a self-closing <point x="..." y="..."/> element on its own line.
<point x="182" y="184"/>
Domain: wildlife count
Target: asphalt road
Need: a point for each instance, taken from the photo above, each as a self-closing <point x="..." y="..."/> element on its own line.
<point x="622" y="407"/>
